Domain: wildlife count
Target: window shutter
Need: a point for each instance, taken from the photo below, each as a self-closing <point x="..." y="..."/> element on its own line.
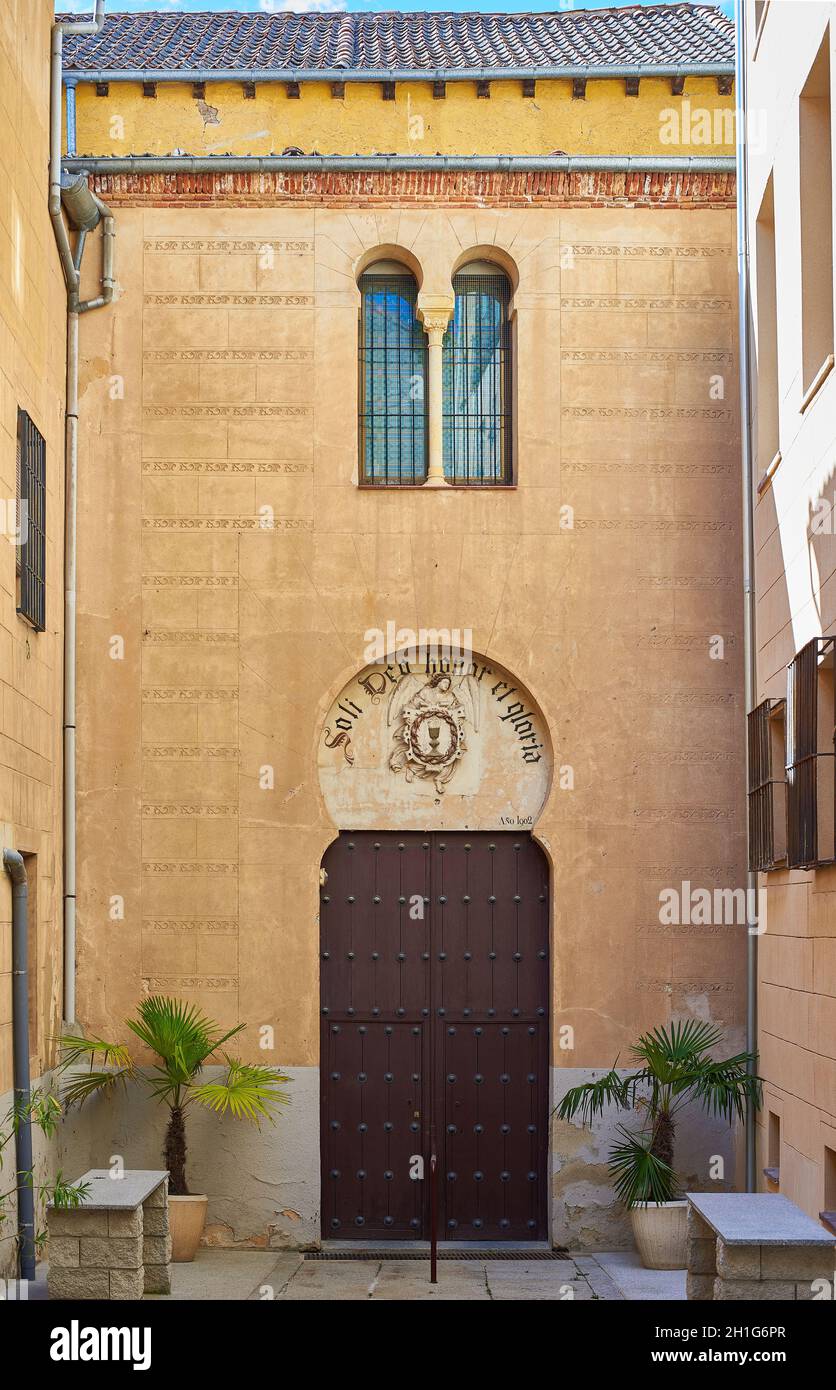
<point x="31" y="519"/>
<point x="767" y="786"/>
<point x="811" y="796"/>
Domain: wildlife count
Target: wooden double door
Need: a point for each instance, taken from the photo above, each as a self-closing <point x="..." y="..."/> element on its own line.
<point x="435" y="1022"/>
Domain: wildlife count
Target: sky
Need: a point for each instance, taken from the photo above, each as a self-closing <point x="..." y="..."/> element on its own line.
<point x="362" y="6"/>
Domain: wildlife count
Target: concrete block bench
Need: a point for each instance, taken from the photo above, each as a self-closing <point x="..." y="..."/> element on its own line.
<point x="117" y="1243"/>
<point x="754" y="1246"/>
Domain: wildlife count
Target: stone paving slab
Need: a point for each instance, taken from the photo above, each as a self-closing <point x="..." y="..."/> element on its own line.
<point x="623" y="1269"/>
<point x="599" y="1276"/>
<point x="405" y="1280"/>
<point x="479" y="1281"/>
<point x="226" y="1274"/>
<point x="511" y="1271"/>
<point x="279" y="1276"/>
<point x="286" y="1277"/>
<point x="338" y="1280"/>
<point x="570" y="1291"/>
<point x="535" y="1282"/>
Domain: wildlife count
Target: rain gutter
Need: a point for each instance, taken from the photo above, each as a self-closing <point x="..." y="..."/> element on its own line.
<point x="568" y="71"/>
<point x="248" y="164"/>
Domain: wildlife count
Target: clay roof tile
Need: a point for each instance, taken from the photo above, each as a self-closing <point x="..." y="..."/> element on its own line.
<point x="626" y="35"/>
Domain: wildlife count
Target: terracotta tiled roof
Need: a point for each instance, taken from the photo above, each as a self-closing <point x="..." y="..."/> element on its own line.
<point x="628" y="35"/>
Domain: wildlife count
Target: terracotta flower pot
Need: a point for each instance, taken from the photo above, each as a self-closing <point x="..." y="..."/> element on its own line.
<point x="186" y="1217"/>
<point x="661" y="1234"/>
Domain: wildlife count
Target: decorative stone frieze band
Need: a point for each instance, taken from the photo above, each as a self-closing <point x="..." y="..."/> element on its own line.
<point x="438" y="187"/>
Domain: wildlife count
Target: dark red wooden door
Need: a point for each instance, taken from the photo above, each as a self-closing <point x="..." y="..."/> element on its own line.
<point x="435" y="1005"/>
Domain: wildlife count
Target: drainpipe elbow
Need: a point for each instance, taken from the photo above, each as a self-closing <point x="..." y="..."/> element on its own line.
<point x="108" y="280"/>
<point x="90" y="27"/>
<point x="15" y="867"/>
<point x="71" y="275"/>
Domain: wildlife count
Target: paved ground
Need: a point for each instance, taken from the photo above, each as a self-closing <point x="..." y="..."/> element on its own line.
<point x="636" y="1282"/>
<point x="266" y="1275"/>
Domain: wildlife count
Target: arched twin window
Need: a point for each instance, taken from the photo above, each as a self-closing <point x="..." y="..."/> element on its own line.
<point x="393" y="378"/>
<point x="476" y="377"/>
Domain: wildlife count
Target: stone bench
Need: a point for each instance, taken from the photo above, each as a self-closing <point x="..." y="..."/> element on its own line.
<point x="117" y="1244"/>
<point x="753" y="1246"/>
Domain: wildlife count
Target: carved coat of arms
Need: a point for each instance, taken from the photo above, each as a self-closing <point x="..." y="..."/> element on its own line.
<point x="429" y="715"/>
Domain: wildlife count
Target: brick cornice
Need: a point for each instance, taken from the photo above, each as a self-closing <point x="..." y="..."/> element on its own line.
<point x="529" y="188"/>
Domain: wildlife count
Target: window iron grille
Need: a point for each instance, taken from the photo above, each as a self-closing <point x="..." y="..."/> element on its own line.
<point x="477" y="382"/>
<point x="811" y="779"/>
<point x="767" y="786"/>
<point x="393" y="381"/>
<point x="31" y="519"/>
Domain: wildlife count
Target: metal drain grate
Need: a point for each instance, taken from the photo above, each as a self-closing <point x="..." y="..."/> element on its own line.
<point x="390" y="1254"/>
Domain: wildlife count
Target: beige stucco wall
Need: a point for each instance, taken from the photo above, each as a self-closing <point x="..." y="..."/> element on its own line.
<point x="214" y="387"/>
<point x="32" y="346"/>
<point x="795" y="590"/>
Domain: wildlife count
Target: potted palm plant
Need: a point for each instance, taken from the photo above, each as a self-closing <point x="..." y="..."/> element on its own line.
<point x="676" y="1069"/>
<point x="184" y="1041"/>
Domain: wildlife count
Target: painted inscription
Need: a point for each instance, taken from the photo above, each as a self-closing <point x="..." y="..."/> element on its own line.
<point x="432" y="687"/>
<point x="454" y="742"/>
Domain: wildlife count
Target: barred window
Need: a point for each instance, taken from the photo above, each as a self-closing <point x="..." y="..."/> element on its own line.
<point x="477" y="379"/>
<point x="31" y="519"/>
<point x="811" y="789"/>
<point x="393" y="378"/>
<point x="767" y="786"/>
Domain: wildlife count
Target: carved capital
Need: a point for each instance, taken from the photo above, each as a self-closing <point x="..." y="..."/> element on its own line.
<point x="435" y="325"/>
<point x="435" y="312"/>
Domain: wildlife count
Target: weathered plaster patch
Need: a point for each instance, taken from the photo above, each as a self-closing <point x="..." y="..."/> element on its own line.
<point x="221" y="1236"/>
<point x="92" y="369"/>
<point x="209" y="114"/>
<point x="699" y="1006"/>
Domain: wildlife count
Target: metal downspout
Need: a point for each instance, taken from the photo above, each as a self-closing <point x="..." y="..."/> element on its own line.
<point x="70" y="107"/>
<point x="70" y="533"/>
<point x="71" y="266"/>
<point x="749" y="649"/>
<point x="16" y="869"/>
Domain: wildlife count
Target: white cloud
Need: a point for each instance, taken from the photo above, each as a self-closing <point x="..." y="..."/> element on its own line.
<point x="297" y="6"/>
<point x="84" y="8"/>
